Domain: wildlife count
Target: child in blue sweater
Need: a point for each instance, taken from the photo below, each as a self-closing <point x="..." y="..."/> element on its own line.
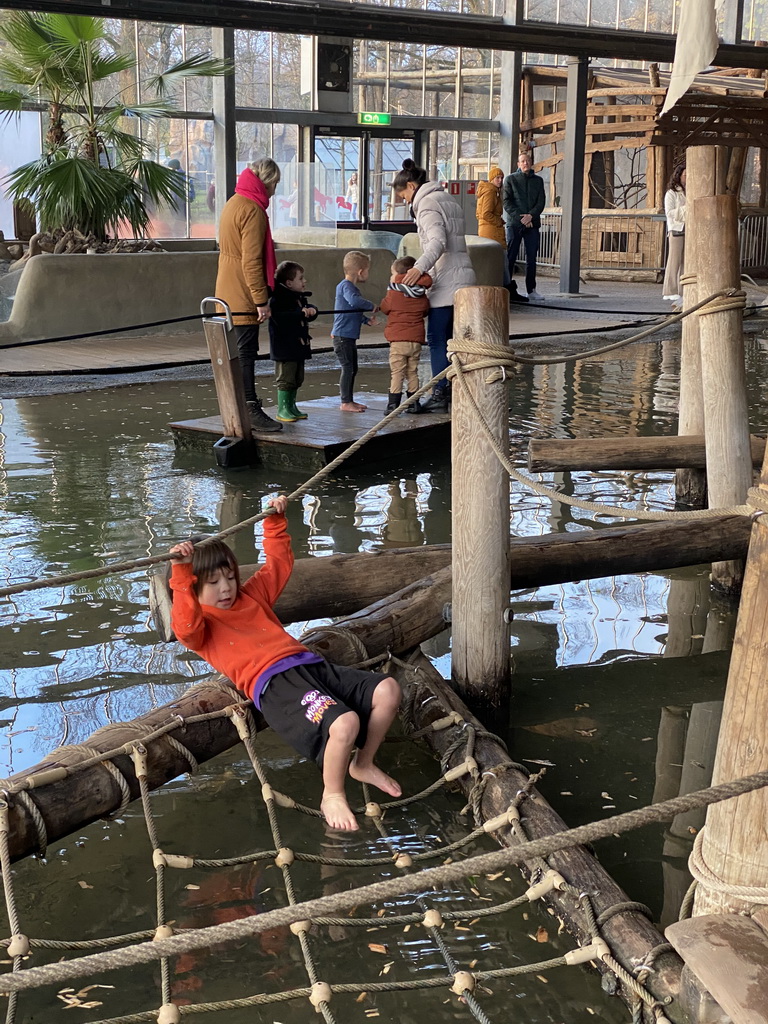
<point x="347" y="324"/>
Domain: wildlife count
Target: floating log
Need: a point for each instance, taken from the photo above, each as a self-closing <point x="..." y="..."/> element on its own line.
<point x="343" y="584"/>
<point x="558" y="455"/>
<point x="630" y="934"/>
<point x="326" y="587"/>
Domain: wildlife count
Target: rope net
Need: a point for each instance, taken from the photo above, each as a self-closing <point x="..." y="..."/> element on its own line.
<point x="428" y="906"/>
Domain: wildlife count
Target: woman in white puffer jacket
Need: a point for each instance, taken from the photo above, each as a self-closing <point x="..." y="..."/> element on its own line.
<point x="444" y="256"/>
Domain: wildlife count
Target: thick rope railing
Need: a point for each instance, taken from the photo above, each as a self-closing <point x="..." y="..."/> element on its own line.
<point x="492" y="357"/>
<point x="429" y="878"/>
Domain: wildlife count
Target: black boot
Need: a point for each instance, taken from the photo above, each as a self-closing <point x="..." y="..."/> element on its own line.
<point x="416" y="406"/>
<point x="260" y="422"/>
<point x="514" y="294"/>
<point x="394" y="402"/>
<point x="438" y="401"/>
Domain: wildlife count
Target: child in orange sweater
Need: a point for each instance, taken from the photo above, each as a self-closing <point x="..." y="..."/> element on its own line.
<point x="324" y="711"/>
<point x="405" y="306"/>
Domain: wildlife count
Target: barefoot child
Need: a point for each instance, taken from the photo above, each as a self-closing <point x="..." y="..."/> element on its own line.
<point x="324" y="711"/>
<point x="406" y="305"/>
<point x="289" y="337"/>
<point x="347" y="324"/>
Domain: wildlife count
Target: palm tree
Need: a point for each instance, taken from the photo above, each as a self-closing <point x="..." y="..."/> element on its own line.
<point x="94" y="174"/>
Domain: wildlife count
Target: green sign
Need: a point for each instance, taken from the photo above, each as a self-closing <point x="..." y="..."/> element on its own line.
<point x="372" y="117"/>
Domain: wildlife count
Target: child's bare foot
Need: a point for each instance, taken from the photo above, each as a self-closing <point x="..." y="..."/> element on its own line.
<point x="375" y="777"/>
<point x="338" y="813"/>
<point x="352" y="407"/>
<point x="359" y="406"/>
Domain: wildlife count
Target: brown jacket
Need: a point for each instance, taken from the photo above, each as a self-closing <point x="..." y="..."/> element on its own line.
<point x="490" y="223"/>
<point x="240" y="281"/>
<point x="405" y="314"/>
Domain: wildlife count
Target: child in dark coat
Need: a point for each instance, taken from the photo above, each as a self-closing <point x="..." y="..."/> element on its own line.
<point x="289" y="337"/>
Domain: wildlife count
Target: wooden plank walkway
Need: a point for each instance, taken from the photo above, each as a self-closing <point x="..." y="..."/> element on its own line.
<point x="316" y="441"/>
<point x="136" y="352"/>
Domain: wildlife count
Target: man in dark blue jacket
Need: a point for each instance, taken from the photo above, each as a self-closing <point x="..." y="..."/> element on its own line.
<point x="523" y="202"/>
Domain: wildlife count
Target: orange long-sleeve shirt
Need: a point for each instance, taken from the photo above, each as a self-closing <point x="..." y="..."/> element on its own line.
<point x="243" y="641"/>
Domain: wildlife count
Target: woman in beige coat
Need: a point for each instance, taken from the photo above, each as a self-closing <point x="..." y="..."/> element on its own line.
<point x="246" y="274"/>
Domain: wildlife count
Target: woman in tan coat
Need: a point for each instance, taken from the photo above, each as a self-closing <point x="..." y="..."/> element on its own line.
<point x="490" y="220"/>
<point x="246" y="273"/>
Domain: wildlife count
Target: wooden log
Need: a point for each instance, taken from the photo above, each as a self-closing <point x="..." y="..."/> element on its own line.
<point x="481" y="661"/>
<point x="534" y="562"/>
<point x="558" y="455"/>
<point x="734" y="844"/>
<point x="630" y="935"/>
<point x="724" y="383"/>
<point x="691" y="484"/>
<point x="326" y="587"/>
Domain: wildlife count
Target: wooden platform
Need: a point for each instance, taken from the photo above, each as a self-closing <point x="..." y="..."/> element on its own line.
<point x="316" y="441"/>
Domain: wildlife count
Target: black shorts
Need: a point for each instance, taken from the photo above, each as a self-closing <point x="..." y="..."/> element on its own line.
<point x="302" y="703"/>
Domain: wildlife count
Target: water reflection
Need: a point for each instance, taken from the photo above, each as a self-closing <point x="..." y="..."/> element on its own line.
<point x="606" y="669"/>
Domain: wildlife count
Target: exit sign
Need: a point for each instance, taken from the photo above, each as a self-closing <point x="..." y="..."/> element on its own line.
<point x="372" y="117"/>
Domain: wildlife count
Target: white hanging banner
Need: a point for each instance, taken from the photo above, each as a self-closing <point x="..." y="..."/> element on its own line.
<point x="696" y="46"/>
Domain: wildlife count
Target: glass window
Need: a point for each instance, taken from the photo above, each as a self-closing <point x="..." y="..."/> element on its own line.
<point x="286" y="73"/>
<point x="475" y="83"/>
<point x="443" y="155"/>
<point x="20" y="143"/>
<point x="474" y="155"/>
<point x="385" y="158"/>
<point x="252" y="59"/>
<point x="440" y="99"/>
<point x="198" y="91"/>
<point x="604" y="13"/>
<point x="406" y="79"/>
<point x="159" y="46"/>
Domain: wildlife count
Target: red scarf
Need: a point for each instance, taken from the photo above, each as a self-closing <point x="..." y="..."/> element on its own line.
<point x="252" y="187"/>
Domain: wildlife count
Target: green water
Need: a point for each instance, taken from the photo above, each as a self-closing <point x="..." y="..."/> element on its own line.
<point x="612" y="677"/>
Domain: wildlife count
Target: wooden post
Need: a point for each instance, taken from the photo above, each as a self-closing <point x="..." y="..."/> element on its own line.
<point x="227" y="379"/>
<point x="723" y="375"/>
<point x="691" y="484"/>
<point x="735" y="845"/>
<point x="481" y="567"/>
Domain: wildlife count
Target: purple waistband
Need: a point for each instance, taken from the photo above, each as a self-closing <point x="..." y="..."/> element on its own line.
<point x="291" y="661"/>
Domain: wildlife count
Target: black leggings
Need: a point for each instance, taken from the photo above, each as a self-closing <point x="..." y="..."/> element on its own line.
<point x="247" y="349"/>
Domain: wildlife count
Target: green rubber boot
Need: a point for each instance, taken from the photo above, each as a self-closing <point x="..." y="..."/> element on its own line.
<point x="284" y="410"/>
<point x="294" y="408"/>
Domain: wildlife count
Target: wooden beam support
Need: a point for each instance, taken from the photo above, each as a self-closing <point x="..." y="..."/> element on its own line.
<point x="558" y="455"/>
<point x="723" y="373"/>
<point x="690" y="484"/>
<point x="481" y="662"/>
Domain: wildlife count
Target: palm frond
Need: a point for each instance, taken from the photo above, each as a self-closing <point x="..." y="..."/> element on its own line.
<point x="200" y="64"/>
<point x="104" y="65"/>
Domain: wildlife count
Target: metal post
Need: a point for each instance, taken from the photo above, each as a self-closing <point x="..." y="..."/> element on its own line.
<point x="224" y="123"/>
<point x="573" y="176"/>
<point x="509" y="106"/>
<point x="733" y="21"/>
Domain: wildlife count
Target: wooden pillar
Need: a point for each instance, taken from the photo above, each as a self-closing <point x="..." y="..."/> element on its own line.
<point x="735" y="844"/>
<point x="227" y="378"/>
<point x="723" y="375"/>
<point x="691" y="484"/>
<point x="481" y="561"/>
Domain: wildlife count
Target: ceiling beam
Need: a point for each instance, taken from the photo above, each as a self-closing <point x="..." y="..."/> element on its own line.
<point x="367" y="21"/>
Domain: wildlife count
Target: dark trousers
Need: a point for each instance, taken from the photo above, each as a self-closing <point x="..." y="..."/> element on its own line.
<point x="439" y="330"/>
<point x="346" y="353"/>
<point x="530" y="239"/>
<point x="289" y="376"/>
<point x="247" y="349"/>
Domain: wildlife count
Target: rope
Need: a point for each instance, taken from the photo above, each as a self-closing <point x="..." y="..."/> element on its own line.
<point x="378" y="892"/>
<point x="704" y="875"/>
<point x="496" y="357"/>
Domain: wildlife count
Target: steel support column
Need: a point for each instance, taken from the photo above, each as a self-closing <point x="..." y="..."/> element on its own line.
<point x="224" y="123"/>
<point x="573" y="173"/>
<point x="509" y="100"/>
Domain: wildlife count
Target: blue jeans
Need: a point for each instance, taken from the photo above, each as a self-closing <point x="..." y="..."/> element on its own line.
<point x="530" y="238"/>
<point x="346" y="353"/>
<point x="439" y="330"/>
